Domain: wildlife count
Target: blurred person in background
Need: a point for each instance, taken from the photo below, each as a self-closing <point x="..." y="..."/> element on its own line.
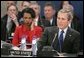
<point x="36" y="7"/>
<point x="24" y="4"/>
<point x="11" y="3"/>
<point x="49" y="19"/>
<point x="9" y="22"/>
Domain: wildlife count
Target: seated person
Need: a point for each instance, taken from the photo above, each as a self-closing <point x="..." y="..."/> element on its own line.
<point x="67" y="41"/>
<point x="37" y="8"/>
<point x="24" y="4"/>
<point x="27" y="29"/>
<point x="9" y="22"/>
<point x="48" y="19"/>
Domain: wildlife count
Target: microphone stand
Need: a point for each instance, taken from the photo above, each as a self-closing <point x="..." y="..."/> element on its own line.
<point x="59" y="54"/>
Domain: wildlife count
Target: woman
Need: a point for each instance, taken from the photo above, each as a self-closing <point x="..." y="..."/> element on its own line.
<point x="27" y="29"/>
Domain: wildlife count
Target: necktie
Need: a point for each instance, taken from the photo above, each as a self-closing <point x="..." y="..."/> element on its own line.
<point x="61" y="40"/>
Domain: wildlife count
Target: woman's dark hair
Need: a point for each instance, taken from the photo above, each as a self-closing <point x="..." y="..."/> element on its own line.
<point x="30" y="11"/>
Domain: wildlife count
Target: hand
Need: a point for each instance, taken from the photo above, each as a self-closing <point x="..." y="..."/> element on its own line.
<point x="32" y="25"/>
<point x="14" y="19"/>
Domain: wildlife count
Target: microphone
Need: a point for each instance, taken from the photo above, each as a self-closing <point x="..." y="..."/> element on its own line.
<point x="49" y="48"/>
<point x="52" y="47"/>
<point x="48" y="51"/>
<point x="54" y="39"/>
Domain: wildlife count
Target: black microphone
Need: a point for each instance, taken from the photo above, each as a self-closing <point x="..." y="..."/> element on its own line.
<point x="49" y="48"/>
<point x="52" y="46"/>
<point x="54" y="39"/>
<point x="48" y="51"/>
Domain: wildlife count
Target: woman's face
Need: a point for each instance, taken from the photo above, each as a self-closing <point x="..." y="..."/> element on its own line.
<point x="27" y="19"/>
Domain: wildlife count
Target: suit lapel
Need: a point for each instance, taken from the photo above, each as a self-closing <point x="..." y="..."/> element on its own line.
<point x="54" y="22"/>
<point x="5" y="21"/>
<point x="68" y="36"/>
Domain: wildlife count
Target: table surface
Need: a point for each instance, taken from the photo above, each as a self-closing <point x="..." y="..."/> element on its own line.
<point x="14" y="48"/>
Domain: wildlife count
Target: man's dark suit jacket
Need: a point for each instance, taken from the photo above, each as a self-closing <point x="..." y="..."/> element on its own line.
<point x="70" y="44"/>
<point x="76" y="24"/>
<point x="39" y="22"/>
<point x="4" y="32"/>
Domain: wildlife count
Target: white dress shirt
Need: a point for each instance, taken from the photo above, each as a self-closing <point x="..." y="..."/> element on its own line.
<point x="51" y="20"/>
<point x="36" y="21"/>
<point x="9" y="23"/>
<point x="69" y="24"/>
<point x="64" y="34"/>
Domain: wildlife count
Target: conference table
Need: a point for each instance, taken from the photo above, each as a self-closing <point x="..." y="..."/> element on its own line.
<point x="16" y="52"/>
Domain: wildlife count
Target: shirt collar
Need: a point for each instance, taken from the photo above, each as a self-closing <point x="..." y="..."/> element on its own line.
<point x="64" y="34"/>
<point x="51" y="21"/>
<point x="64" y="29"/>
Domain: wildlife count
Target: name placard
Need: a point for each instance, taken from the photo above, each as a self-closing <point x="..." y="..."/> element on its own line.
<point x="20" y="52"/>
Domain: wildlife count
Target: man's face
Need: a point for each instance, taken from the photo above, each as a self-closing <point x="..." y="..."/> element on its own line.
<point x="62" y="20"/>
<point x="25" y="5"/>
<point x="36" y="9"/>
<point x="65" y="2"/>
<point x="12" y="10"/>
<point x="27" y="19"/>
<point x="48" y="12"/>
<point x="10" y="3"/>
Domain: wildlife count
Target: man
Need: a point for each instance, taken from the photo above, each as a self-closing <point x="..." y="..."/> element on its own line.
<point x="75" y="23"/>
<point x="11" y="3"/>
<point x="67" y="41"/>
<point x="9" y="22"/>
<point x="24" y="4"/>
<point x="36" y="7"/>
<point x="48" y="18"/>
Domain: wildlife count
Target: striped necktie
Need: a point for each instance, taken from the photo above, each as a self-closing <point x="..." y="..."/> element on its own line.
<point x="61" y="40"/>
